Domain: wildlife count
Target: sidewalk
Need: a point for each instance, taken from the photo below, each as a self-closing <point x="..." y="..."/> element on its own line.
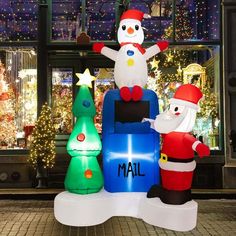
<point x="34" y="218"/>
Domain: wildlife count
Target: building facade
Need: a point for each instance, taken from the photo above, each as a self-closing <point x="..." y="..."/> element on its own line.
<point x="44" y="44"/>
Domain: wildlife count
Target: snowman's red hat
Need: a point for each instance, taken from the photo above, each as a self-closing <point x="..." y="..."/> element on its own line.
<point x="132" y="14"/>
<point x="187" y="95"/>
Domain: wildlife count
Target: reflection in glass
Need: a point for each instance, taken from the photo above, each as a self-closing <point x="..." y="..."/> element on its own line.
<point x="104" y="82"/>
<point x="196" y="65"/>
<point x="62" y="99"/>
<point x="18" y="20"/>
<point x="18" y="97"/>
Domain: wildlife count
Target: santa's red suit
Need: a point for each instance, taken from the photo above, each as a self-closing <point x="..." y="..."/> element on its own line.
<point x="177" y="162"/>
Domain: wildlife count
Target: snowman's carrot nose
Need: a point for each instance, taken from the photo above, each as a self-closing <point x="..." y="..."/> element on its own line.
<point x="130" y="30"/>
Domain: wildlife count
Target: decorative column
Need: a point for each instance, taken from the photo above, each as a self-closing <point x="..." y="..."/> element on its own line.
<point x="229" y="36"/>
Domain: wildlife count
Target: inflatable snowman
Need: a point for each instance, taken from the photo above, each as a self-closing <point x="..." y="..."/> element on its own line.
<point x="130" y="72"/>
<point x="177" y="153"/>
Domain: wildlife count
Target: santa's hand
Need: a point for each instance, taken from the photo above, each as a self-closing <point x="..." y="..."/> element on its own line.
<point x="163" y="45"/>
<point x="97" y="47"/>
<point x="202" y="150"/>
<point x="151" y="121"/>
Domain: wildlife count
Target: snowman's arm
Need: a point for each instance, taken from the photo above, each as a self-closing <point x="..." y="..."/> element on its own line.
<point x="151" y="51"/>
<point x="110" y="53"/>
<point x="107" y="52"/>
<point x="155" y="49"/>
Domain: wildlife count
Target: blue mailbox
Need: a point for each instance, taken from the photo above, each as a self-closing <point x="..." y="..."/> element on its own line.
<point x="130" y="146"/>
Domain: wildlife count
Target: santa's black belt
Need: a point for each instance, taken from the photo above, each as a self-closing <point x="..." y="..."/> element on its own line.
<point x="165" y="158"/>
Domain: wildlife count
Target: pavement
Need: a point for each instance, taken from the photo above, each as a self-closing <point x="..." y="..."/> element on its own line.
<point x="35" y="217"/>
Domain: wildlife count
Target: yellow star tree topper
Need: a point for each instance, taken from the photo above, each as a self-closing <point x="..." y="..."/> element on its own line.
<point x="85" y="79"/>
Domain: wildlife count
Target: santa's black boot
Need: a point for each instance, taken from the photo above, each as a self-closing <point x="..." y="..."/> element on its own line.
<point x="154" y="191"/>
<point x="175" y="197"/>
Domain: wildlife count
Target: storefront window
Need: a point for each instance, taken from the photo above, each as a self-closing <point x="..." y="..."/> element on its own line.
<point x="18" y="20"/>
<point x="62" y="99"/>
<point x="100" y="20"/>
<point x="66" y="19"/>
<point x="196" y="65"/>
<point x="160" y="17"/>
<point x="104" y="82"/>
<point x="195" y="20"/>
<point x="18" y="97"/>
<point x="192" y="19"/>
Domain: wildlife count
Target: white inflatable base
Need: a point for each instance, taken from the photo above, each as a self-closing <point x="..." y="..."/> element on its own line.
<point x="92" y="209"/>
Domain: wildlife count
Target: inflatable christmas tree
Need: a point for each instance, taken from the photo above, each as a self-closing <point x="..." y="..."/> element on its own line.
<point x="84" y="174"/>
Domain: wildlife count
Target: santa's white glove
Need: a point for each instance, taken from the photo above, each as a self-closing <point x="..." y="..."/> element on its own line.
<point x="151" y="121"/>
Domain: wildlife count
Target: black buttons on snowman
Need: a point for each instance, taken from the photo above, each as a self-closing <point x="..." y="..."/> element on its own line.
<point x="130" y="53"/>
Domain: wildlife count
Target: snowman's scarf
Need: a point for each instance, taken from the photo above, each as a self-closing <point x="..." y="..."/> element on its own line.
<point x="138" y="46"/>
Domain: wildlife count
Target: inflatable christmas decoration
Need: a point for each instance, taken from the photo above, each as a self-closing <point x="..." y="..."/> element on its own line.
<point x="84" y="174"/>
<point x="130" y="146"/>
<point x="130" y="72"/>
<point x="177" y="153"/>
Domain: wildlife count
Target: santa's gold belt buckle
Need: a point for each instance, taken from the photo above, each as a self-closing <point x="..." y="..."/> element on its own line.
<point x="164" y="158"/>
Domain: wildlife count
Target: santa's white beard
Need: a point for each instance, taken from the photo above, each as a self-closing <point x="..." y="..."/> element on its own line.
<point x="167" y="122"/>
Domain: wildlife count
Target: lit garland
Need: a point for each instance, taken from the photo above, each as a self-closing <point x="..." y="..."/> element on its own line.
<point x="42" y="148"/>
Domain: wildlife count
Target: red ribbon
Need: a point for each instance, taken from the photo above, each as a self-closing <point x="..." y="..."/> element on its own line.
<point x="137" y="45"/>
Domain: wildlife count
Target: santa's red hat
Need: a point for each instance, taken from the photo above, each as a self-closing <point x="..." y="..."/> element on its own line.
<point x="132" y="14"/>
<point x="187" y="95"/>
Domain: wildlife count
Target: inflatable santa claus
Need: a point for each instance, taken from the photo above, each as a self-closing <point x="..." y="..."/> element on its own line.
<point x="130" y="72"/>
<point x="177" y="162"/>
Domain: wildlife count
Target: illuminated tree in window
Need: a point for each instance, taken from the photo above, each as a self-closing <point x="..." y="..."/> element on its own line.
<point x="42" y="148"/>
<point x="7" y="112"/>
<point x="84" y="145"/>
<point x="184" y="30"/>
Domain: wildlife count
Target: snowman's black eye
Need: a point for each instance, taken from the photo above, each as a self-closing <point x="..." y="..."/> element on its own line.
<point x="136" y="27"/>
<point x="176" y="108"/>
<point x="123" y="27"/>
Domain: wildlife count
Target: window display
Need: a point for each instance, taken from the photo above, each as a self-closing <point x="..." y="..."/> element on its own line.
<point x="62" y="99"/>
<point x="18" y="97"/>
<point x="185" y="64"/>
<point x="104" y="82"/>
